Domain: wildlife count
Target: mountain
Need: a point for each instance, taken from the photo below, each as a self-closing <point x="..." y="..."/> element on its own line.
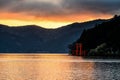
<point x="103" y="39"/>
<point x="32" y="38"/>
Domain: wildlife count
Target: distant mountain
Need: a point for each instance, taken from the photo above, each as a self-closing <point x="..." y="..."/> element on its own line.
<point x="32" y="38"/>
<point x="103" y="39"/>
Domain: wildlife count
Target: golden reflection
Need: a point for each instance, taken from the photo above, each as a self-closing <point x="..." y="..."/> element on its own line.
<point x="44" y="67"/>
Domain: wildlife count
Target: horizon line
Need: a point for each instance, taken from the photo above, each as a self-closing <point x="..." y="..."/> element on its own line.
<point x="50" y="27"/>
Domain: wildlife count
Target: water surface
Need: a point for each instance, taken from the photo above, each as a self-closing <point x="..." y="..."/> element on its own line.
<point x="57" y="67"/>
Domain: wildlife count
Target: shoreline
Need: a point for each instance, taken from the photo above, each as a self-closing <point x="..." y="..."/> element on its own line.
<point x="101" y="57"/>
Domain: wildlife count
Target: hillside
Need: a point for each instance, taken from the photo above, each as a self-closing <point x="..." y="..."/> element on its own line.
<point x="103" y="39"/>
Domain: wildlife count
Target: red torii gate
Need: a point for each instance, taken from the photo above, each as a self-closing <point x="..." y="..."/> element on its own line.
<point x="79" y="50"/>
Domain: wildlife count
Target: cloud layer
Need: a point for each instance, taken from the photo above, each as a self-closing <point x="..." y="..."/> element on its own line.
<point x="60" y="8"/>
<point x="95" y="6"/>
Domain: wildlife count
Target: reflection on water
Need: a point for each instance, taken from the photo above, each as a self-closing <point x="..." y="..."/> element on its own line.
<point x="56" y="67"/>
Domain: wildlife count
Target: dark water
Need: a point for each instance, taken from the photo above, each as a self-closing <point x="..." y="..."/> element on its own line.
<point x="57" y="67"/>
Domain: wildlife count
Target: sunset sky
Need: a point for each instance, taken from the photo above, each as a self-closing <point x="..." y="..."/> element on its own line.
<point x="55" y="13"/>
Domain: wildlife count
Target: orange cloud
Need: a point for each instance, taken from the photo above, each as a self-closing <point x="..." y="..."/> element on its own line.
<point x="15" y="19"/>
<point x="70" y="18"/>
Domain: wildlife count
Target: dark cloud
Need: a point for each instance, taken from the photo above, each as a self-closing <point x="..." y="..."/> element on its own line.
<point x="30" y="7"/>
<point x="5" y="4"/>
<point x="37" y="8"/>
<point x="65" y="7"/>
<point x="96" y="6"/>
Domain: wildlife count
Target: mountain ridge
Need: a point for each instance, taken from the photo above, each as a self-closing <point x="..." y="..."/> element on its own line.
<point x="32" y="38"/>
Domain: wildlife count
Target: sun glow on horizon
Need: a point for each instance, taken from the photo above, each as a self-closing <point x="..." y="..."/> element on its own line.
<point x="15" y="20"/>
<point x="44" y="24"/>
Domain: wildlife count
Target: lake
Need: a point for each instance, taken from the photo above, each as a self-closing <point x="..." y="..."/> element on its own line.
<point x="57" y="67"/>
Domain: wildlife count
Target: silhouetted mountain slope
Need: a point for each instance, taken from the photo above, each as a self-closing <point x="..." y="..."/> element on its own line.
<point x="103" y="35"/>
<point x="33" y="38"/>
